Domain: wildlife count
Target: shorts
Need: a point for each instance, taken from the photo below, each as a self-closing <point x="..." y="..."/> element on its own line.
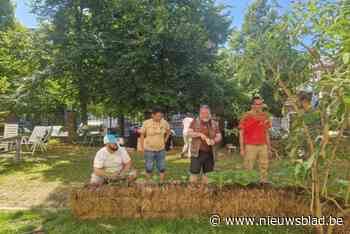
<point x="158" y="157"/>
<point x="204" y="162"/>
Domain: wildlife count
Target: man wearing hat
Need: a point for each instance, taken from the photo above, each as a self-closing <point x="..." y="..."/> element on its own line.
<point x="112" y="162"/>
<point x="254" y="138"/>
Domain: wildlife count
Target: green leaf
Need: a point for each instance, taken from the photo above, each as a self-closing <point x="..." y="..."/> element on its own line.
<point x="342" y="182"/>
<point x="347" y="100"/>
<point x="297" y="170"/>
<point x="309" y="162"/>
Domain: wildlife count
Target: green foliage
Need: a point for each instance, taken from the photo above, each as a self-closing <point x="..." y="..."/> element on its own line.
<point x="6" y="14"/>
<point x="130" y="55"/>
<point x="241" y="177"/>
<point x="261" y="41"/>
<point x="18" y="62"/>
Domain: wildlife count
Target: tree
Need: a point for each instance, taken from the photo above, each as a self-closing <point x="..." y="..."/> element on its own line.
<point x="323" y="22"/>
<point x="262" y="33"/>
<point x="75" y="46"/>
<point x="158" y="50"/>
<point x="18" y="62"/>
<point x="6" y="14"/>
<point x="130" y="55"/>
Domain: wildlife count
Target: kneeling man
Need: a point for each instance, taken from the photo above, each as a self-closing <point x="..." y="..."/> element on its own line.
<point x="112" y="162"/>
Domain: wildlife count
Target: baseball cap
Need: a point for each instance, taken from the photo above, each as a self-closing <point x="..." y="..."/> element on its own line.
<point x="110" y="139"/>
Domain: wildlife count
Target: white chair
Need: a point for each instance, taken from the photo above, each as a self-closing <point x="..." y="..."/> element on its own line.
<point x="38" y="139"/>
<point x="58" y="131"/>
<point x="10" y="130"/>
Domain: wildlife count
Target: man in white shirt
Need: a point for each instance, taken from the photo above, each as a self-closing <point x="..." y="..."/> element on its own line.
<point x="187" y="140"/>
<point x="112" y="162"/>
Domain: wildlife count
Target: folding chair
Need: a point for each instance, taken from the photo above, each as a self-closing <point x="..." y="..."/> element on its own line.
<point x="38" y="139"/>
<point x="58" y="131"/>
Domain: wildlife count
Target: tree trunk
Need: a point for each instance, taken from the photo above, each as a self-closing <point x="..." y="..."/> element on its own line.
<point x="83" y="89"/>
<point x="70" y="125"/>
<point x="121" y="120"/>
<point x="83" y="110"/>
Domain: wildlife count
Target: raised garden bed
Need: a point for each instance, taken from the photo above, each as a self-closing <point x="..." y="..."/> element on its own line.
<point x="181" y="201"/>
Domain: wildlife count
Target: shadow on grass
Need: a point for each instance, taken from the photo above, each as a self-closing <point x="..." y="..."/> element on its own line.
<point x="67" y="165"/>
<point x="70" y="165"/>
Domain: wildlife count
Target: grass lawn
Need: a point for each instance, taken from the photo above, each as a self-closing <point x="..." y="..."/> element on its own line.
<point x="45" y="180"/>
<point x="64" y="222"/>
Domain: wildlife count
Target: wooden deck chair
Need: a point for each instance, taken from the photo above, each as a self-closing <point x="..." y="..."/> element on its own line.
<point x="10" y="130"/>
<point x="38" y="139"/>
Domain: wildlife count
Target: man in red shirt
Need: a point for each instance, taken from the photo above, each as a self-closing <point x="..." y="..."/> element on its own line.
<point x="254" y="138"/>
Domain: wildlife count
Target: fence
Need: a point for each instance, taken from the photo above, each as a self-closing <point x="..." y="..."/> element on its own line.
<point x="175" y="122"/>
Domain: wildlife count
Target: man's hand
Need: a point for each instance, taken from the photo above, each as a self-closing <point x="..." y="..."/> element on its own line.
<point x="115" y="176"/>
<point x="142" y="152"/>
<point x="142" y="144"/>
<point x="269" y="151"/>
<point x="242" y="151"/>
<point x="202" y="136"/>
<point x="210" y="142"/>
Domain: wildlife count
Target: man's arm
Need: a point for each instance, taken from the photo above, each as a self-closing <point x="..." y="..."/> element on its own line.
<point x="126" y="168"/>
<point x="241" y="142"/>
<point x="167" y="133"/>
<point x="126" y="165"/>
<point x="99" y="172"/>
<point x="218" y="138"/>
<point x="142" y="138"/>
<point x="268" y="141"/>
<point x="99" y="164"/>
<point x="142" y="142"/>
<point x="193" y="134"/>
<point x="242" y="126"/>
<point x="267" y="133"/>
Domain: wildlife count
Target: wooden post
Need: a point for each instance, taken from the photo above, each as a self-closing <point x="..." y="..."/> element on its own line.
<point x="18" y="149"/>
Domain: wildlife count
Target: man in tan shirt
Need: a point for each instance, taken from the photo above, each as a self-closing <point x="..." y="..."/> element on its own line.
<point x="154" y="134"/>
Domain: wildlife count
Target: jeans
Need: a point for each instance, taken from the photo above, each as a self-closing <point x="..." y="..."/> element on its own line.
<point x="158" y="157"/>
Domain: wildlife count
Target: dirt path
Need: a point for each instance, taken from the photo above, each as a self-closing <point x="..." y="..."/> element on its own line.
<point x="44" y="181"/>
<point x="19" y="192"/>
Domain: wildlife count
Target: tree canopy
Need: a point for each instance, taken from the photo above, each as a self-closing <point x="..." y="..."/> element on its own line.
<point x="124" y="56"/>
<point x="131" y="55"/>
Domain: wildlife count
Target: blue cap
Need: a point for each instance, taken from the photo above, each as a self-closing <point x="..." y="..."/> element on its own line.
<point x="110" y="139"/>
